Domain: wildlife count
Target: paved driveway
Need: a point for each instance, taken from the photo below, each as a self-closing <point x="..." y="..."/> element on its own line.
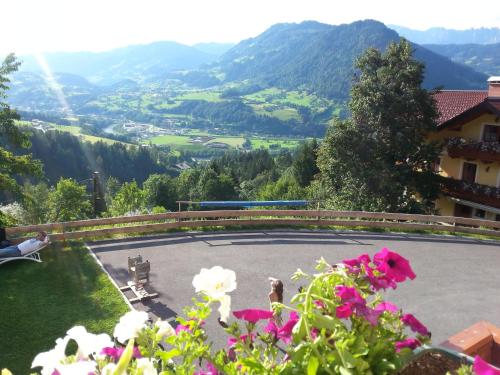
<point x="457" y="284"/>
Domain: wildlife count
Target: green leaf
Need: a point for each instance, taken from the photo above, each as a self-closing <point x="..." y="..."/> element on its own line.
<point x="299" y="330"/>
<point x="312" y="366"/>
<point x="166" y="356"/>
<point x="324" y="321"/>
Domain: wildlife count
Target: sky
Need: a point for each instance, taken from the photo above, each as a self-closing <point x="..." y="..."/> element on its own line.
<point x="30" y="26"/>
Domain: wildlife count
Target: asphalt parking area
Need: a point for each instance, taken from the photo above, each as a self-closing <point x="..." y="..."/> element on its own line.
<point x="457" y="284"/>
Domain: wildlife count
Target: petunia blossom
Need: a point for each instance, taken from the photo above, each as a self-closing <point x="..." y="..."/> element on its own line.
<point x="116" y="353"/>
<point x="371" y="315"/>
<point x="387" y="306"/>
<point x="50" y="359"/>
<point x="393" y="265"/>
<point x="348" y="294"/>
<point x="414" y="324"/>
<point x="344" y="311"/>
<point x="271" y="327"/>
<point x="253" y="315"/>
<point x="130" y="325"/>
<point x="215" y="282"/>
<point x="164" y="329"/>
<point x="285" y="332"/>
<point x="145" y="366"/>
<point x="211" y="370"/>
<point x="357" y="262"/>
<point x="88" y="343"/>
<point x="408" y="343"/>
<point x="244" y="338"/>
<point x="482" y="367"/>
<point x="380" y="280"/>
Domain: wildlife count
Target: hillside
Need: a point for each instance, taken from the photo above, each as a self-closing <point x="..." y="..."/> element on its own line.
<point x="483" y="58"/>
<point x="132" y="62"/>
<point x="439" y="35"/>
<point x="320" y="57"/>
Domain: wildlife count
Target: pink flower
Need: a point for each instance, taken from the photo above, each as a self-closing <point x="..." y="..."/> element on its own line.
<point x="408" y="343"/>
<point x="393" y="265"/>
<point x="116" y="353"/>
<point x="415" y="324"/>
<point x="369" y="314"/>
<point x="379" y="282"/>
<point x="386" y="306"/>
<point x="285" y="332"/>
<point x="349" y="295"/>
<point x="244" y="338"/>
<point x="253" y="315"/>
<point x="482" y="367"/>
<point x="211" y="370"/>
<point x="344" y="311"/>
<point x="272" y="328"/>
<point x="357" y="262"/>
<point x="187" y="327"/>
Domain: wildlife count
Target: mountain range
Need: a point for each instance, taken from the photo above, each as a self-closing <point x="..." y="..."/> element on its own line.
<point x="440" y="35"/>
<point x="310" y="55"/>
<point x="289" y="77"/>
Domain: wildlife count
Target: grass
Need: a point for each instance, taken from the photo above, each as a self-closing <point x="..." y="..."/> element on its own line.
<point x="266" y="143"/>
<point x="41" y="301"/>
<point x="209" y="96"/>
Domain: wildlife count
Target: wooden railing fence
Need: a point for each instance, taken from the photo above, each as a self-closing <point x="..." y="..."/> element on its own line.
<point x="105" y="227"/>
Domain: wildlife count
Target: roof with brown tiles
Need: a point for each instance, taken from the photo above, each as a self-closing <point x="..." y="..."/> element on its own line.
<point x="451" y="103"/>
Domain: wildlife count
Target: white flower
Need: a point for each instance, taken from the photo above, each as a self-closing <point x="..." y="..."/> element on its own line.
<point x="225" y="308"/>
<point x="215" y="282"/>
<point x="147" y="366"/>
<point x="88" y="343"/>
<point x="130" y="325"/>
<point x="164" y="329"/>
<point x="50" y="359"/>
<point x="77" y="368"/>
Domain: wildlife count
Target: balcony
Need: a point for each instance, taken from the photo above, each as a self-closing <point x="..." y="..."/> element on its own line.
<point x="483" y="150"/>
<point x="483" y="194"/>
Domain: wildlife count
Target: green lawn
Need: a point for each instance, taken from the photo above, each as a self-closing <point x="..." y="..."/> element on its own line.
<point x="41" y="301"/>
<point x="209" y="96"/>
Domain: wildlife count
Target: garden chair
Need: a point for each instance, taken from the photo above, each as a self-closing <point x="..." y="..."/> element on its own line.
<point x="33" y="255"/>
<point x="132" y="261"/>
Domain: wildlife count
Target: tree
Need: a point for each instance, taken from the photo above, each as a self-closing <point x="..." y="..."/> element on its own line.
<point x="69" y="201"/>
<point x="304" y="163"/>
<point x="380" y="159"/>
<point x="160" y="190"/>
<point x="11" y="165"/>
<point x="129" y="199"/>
<point x="36" y="203"/>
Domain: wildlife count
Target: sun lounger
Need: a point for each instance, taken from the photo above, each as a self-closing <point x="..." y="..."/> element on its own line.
<point x="33" y="255"/>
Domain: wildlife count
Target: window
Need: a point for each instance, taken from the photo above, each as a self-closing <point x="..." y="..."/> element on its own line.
<point x="469" y="172"/>
<point x="462" y="211"/>
<point x="480" y="214"/>
<point x="491" y="133"/>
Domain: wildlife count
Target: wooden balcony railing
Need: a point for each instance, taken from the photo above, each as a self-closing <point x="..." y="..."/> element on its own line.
<point x="483" y="194"/>
<point x="484" y="151"/>
<point x="98" y="228"/>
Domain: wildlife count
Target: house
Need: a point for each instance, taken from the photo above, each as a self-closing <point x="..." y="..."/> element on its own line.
<point x="469" y="125"/>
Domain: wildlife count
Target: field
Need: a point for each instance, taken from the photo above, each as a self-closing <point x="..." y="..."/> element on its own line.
<point x="182" y="142"/>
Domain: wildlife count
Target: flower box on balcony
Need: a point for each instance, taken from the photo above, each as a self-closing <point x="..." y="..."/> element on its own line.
<point x="485" y="151"/>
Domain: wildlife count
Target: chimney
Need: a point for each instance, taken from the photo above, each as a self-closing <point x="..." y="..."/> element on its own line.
<point x="494" y="87"/>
